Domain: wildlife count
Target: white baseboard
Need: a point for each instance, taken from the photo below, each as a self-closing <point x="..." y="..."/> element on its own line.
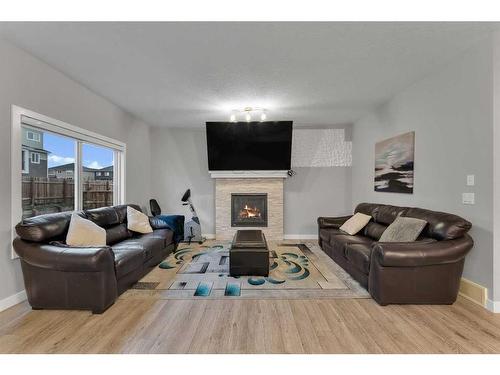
<point x="493" y="306"/>
<point x="211" y="236"/>
<point x="300" y="236"/>
<point x="13" y="300"/>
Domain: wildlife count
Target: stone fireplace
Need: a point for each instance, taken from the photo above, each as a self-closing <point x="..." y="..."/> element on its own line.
<point x="249" y="210"/>
<point x="249" y="203"/>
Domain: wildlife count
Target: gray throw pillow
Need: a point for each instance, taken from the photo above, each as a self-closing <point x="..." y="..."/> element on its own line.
<point x="403" y="229"/>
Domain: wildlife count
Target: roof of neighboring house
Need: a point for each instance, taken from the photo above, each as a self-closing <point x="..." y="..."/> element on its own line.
<point x="106" y="169"/>
<point x="36" y="149"/>
<point x="71" y="167"/>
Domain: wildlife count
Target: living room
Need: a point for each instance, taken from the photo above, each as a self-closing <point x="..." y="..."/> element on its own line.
<point x="250" y="187"/>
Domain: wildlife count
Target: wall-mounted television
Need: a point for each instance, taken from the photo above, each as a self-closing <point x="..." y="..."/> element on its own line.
<point x="249" y="146"/>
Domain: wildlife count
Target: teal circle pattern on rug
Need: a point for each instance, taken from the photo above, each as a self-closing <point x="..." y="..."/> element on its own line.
<point x="297" y="270"/>
<point x="274" y="281"/>
<point x="254" y="281"/>
<point x="179" y="255"/>
<point x="166" y="266"/>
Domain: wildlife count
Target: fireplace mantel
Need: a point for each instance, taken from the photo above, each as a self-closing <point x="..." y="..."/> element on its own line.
<point x="248" y="174"/>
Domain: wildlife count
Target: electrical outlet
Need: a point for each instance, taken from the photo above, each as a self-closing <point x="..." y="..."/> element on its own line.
<point x="470" y="180"/>
<point x="468" y="198"/>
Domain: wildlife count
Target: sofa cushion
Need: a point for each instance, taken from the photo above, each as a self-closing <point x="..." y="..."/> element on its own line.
<point x="366" y="208"/>
<point x="442" y="226"/>
<point x="345" y="239"/>
<point x="149" y="244"/>
<point x="339" y="241"/>
<point x="103" y="216"/>
<point x="44" y="228"/>
<point x="121" y="210"/>
<point x="166" y="234"/>
<point x="326" y="234"/>
<point x="127" y="260"/>
<point x="374" y="230"/>
<point x="152" y="245"/>
<point x="359" y="256"/>
<point x="117" y="233"/>
<point x="386" y="214"/>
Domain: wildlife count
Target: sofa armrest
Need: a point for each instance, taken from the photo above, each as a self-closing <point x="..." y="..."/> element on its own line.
<point x="65" y="258"/>
<point x="332" y="222"/>
<point x="421" y="253"/>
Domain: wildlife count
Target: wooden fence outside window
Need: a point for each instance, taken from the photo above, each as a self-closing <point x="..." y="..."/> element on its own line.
<point x="42" y="195"/>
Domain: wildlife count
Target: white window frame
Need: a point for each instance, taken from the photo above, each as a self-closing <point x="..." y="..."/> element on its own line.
<point x="35" y="160"/>
<point x="81" y="136"/>
<point x="35" y="138"/>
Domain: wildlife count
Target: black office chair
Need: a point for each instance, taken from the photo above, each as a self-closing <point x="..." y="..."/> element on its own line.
<point x="155" y="207"/>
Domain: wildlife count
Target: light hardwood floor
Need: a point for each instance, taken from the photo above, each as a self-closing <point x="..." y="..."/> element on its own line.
<point x="253" y="326"/>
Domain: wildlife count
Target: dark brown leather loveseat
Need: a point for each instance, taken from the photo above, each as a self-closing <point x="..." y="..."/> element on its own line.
<point x="426" y="271"/>
<point x="57" y="276"/>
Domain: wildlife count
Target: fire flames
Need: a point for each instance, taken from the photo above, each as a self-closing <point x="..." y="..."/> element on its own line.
<point x="249" y="212"/>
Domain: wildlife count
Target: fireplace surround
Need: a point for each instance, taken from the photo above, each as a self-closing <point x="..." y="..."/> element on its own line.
<point x="225" y="187"/>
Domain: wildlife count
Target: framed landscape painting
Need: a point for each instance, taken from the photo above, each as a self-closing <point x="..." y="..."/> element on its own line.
<point x="394" y="159"/>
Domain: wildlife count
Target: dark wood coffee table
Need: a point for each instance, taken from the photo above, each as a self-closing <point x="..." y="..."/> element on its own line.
<point x="249" y="254"/>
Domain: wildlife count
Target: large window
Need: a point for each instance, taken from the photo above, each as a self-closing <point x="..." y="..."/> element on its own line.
<point x="63" y="168"/>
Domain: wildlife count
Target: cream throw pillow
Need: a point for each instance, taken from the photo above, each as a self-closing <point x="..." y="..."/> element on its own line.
<point x="355" y="223"/>
<point x="84" y="233"/>
<point x="137" y="221"/>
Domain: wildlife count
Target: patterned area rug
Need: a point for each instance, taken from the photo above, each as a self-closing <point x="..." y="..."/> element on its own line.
<point x="297" y="271"/>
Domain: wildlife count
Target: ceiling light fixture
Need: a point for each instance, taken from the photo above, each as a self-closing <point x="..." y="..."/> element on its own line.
<point x="247" y="113"/>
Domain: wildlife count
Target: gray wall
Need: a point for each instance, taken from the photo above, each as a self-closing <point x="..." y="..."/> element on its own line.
<point x="496" y="171"/>
<point x="315" y="192"/>
<point x="179" y="161"/>
<point x="30" y="83"/>
<point x="451" y="113"/>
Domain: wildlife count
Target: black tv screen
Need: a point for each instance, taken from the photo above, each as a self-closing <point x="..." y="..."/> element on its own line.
<point x="257" y="146"/>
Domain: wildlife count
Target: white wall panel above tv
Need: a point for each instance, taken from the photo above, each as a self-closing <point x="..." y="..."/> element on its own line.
<point x="321" y="148"/>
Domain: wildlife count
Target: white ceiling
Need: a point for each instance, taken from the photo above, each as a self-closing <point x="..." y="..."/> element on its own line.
<point x="183" y="74"/>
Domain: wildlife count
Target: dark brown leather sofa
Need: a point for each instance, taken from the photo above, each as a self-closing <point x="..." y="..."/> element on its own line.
<point x="57" y="276"/>
<point x="426" y="271"/>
